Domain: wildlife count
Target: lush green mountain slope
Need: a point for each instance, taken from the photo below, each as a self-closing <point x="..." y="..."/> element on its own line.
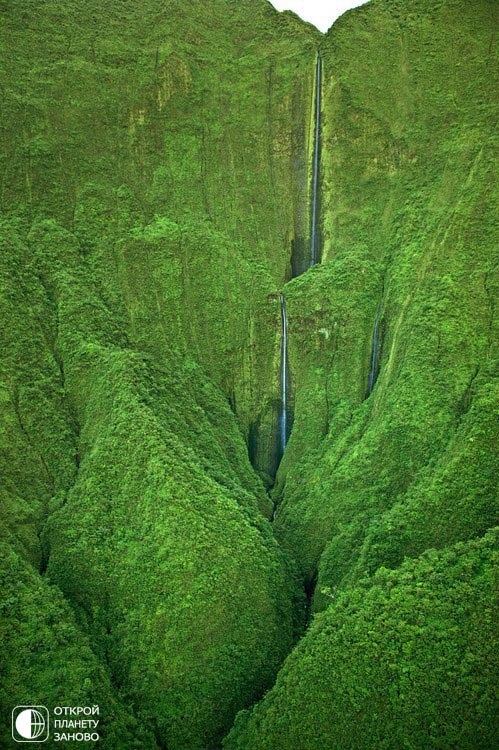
<point x="406" y="660"/>
<point x="409" y="209"/>
<point x="155" y="190"/>
<point x="180" y="134"/>
<point x="148" y="207"/>
<point x="400" y="657"/>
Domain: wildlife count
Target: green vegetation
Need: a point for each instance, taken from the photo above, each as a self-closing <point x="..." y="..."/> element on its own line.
<point x="406" y="660"/>
<point x="409" y="198"/>
<point x="154" y="190"/>
<point x="50" y="661"/>
<point x="145" y="156"/>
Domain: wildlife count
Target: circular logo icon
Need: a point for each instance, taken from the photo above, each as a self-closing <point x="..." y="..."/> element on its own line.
<point x="30" y="724"/>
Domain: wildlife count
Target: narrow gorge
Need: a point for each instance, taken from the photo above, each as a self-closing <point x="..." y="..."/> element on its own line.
<point x="249" y="376"/>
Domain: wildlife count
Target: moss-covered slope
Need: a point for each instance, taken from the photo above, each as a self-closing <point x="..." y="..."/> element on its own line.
<point x="155" y="177"/>
<point x="179" y="134"/>
<point x="410" y="230"/>
<point x="407" y="660"/>
<point x="153" y="164"/>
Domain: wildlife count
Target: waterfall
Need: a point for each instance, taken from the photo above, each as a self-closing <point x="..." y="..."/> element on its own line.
<point x="314" y="255"/>
<point x="283" y="422"/>
<point x="373" y="369"/>
<point x="284" y="417"/>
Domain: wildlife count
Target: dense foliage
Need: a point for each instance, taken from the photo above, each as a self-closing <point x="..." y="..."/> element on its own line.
<point x="408" y="659"/>
<point x="410" y="200"/>
<point x="155" y="188"/>
<point x="145" y="152"/>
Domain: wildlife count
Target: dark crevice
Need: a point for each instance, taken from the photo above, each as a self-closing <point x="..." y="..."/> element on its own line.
<point x="44" y="553"/>
<point x="285" y="417"/>
<point x="263" y="443"/>
<point x="309" y="588"/>
<point x="465" y="402"/>
<point x="299" y="257"/>
<point x="376" y="347"/>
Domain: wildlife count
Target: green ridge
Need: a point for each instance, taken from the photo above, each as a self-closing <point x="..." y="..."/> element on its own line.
<point x="406" y="660"/>
<point x="155" y="185"/>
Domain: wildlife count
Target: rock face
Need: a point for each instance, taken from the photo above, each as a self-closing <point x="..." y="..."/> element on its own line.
<point x="156" y="164"/>
<point x="154" y="175"/>
<point x="408" y="205"/>
<point x="370" y="478"/>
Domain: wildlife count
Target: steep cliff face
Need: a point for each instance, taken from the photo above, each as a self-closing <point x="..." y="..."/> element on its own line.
<point x="409" y="197"/>
<point x="400" y="656"/>
<point x="154" y="176"/>
<point x="155" y="164"/>
<point x="173" y="144"/>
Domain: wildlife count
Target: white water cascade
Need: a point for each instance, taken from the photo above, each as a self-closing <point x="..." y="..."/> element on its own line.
<point x="283" y="422"/>
<point x="314" y="250"/>
<point x="314" y="258"/>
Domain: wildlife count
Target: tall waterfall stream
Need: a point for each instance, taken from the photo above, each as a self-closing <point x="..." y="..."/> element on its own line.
<point x="283" y="422"/>
<point x="314" y="258"/>
<point x="314" y="249"/>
